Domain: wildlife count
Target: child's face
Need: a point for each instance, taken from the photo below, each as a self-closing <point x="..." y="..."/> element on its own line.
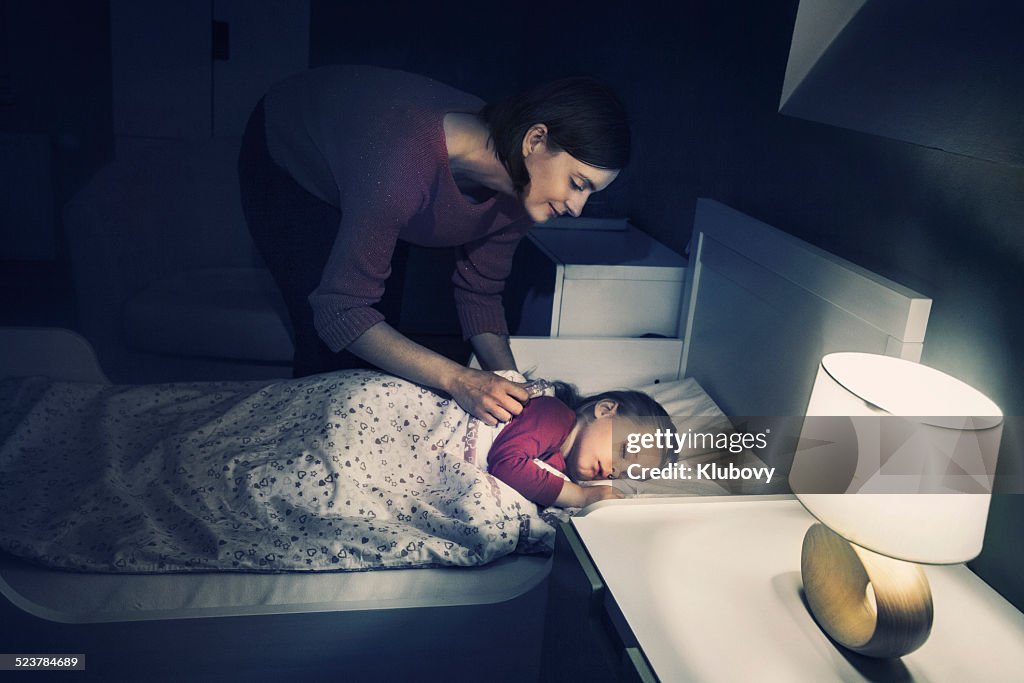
<point x="599" y="449"/>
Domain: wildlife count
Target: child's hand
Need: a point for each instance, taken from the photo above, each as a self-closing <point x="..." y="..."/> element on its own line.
<point x="575" y="496"/>
<point x="596" y="493"/>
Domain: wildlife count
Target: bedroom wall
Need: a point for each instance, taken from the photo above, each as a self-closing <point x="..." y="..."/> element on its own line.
<point x="702" y="82"/>
<point x="55" y="131"/>
<point x="54" y="114"/>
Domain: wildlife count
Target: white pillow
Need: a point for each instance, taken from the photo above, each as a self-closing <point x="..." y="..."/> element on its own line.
<point x="683" y="397"/>
<point x="690" y="408"/>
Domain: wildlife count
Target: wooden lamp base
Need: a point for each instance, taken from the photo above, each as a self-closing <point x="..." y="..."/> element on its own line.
<point x="872" y="604"/>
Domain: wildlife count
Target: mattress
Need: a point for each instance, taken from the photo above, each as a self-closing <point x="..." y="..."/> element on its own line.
<point x="71" y="597"/>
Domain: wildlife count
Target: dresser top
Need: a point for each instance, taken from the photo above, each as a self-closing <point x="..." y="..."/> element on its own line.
<point x="711" y="589"/>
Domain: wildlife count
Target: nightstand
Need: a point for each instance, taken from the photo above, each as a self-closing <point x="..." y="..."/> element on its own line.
<point x="708" y="589"/>
<point x="595" y="282"/>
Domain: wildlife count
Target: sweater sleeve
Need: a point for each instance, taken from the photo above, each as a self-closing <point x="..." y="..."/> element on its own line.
<point x="537" y="432"/>
<point x="479" y="279"/>
<point x="374" y="208"/>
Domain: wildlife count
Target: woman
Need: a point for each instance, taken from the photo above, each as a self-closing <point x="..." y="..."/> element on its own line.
<point x="341" y="162"/>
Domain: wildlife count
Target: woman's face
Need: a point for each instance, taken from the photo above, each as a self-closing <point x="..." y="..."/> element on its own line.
<point x="559" y="183"/>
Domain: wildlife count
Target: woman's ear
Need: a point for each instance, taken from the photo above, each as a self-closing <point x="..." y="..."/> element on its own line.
<point x="606" y="408"/>
<point x="535" y="139"/>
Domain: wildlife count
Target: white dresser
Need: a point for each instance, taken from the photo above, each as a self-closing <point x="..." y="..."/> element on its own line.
<point x="596" y="283"/>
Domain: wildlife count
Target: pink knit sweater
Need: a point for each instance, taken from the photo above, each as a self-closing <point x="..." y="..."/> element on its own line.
<point x="371" y="142"/>
<point x="537" y="432"/>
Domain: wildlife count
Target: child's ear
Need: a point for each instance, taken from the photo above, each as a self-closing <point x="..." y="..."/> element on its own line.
<point x="606" y="408"/>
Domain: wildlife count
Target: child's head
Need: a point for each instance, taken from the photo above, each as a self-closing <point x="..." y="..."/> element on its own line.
<point x="597" y="445"/>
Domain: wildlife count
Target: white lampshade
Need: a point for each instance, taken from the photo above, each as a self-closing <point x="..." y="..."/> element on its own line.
<point x="906" y="464"/>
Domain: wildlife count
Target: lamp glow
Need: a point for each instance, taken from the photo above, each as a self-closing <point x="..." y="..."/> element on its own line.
<point x="899" y="459"/>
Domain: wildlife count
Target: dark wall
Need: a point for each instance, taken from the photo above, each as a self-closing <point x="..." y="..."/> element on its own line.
<point x="702" y="82"/>
<point x="56" y="131"/>
<point x="55" y="73"/>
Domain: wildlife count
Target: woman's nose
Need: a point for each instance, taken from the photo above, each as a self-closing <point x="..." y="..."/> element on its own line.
<point x="574" y="205"/>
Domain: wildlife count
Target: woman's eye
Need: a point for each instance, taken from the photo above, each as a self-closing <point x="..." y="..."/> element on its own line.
<point x="576" y="186"/>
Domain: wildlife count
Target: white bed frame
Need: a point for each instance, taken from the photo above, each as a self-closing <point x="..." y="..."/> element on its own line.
<point x="760" y="309"/>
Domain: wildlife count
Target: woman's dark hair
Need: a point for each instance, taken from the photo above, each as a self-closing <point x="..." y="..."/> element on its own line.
<point x="632" y="404"/>
<point x="584" y="118"/>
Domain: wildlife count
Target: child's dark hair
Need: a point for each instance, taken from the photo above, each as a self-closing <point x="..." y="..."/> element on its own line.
<point x="584" y="118"/>
<point x="632" y="404"/>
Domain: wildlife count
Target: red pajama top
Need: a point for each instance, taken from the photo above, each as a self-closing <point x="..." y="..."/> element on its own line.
<point x="370" y="141"/>
<point x="537" y="432"/>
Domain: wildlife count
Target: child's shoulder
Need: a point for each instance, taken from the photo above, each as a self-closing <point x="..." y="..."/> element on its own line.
<point x="548" y="407"/>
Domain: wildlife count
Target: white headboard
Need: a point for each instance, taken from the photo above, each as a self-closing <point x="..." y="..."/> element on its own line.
<point x="762" y="307"/>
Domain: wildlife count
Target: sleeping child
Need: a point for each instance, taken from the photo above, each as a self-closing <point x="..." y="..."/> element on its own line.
<point x="351" y="470"/>
<point x="572" y="434"/>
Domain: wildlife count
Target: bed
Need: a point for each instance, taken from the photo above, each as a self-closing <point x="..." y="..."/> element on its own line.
<point x="760" y="308"/>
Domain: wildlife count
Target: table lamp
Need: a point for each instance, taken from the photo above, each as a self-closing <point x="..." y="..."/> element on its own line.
<point x="896" y="460"/>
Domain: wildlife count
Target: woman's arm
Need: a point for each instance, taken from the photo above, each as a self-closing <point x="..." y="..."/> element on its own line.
<point x="478" y="282"/>
<point x="483" y="394"/>
<point x="493" y="351"/>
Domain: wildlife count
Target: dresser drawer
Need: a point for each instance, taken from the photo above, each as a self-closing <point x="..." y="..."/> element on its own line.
<point x="594" y="283"/>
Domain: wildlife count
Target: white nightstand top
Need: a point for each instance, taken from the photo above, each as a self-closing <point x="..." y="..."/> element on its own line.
<point x="711" y="589"/>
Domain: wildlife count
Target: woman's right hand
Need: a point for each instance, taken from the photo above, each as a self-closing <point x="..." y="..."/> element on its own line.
<point x="487" y="396"/>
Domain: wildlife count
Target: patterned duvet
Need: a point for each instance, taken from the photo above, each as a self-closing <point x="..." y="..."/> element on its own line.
<point x="348" y="471"/>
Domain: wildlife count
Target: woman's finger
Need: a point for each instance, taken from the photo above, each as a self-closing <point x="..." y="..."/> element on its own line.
<point x="510" y="404"/>
<point x="481" y="414"/>
<point x="517" y="391"/>
<point x="501" y="414"/>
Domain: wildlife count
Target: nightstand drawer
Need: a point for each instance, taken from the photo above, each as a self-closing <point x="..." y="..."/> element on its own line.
<point x="635" y="667"/>
<point x="594" y="283"/>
